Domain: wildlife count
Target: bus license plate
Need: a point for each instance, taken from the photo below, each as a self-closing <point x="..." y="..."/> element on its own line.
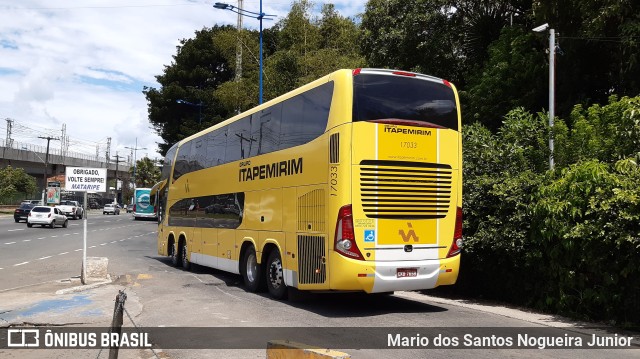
<point x="407" y="272"/>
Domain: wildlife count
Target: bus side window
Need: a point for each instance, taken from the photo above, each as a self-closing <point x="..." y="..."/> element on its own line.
<point x="238" y="140"/>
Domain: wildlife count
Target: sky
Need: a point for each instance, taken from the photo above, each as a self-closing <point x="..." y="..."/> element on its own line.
<point x="82" y="65"/>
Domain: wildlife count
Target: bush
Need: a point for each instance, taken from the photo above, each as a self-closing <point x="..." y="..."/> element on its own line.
<point x="566" y="241"/>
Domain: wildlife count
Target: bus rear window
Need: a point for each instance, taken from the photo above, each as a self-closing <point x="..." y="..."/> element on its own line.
<point x="388" y="97"/>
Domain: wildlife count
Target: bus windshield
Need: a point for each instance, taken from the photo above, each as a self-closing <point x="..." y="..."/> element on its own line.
<point x="412" y="100"/>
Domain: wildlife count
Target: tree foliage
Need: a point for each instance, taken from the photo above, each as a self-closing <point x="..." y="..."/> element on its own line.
<point x="197" y="70"/>
<point x="13" y="182"/>
<point x="568" y="240"/>
<point x="147" y="173"/>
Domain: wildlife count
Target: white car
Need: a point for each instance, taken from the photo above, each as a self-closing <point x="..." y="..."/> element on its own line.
<point x="46" y="216"/>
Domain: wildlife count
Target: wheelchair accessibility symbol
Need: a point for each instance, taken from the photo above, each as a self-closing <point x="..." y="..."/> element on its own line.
<point x="369" y="235"/>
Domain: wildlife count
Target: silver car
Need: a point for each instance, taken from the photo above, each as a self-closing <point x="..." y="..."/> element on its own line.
<point x="46" y="216"/>
<point x="111" y="208"/>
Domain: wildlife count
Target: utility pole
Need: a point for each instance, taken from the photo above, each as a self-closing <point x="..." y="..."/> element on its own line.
<point x="64" y="146"/>
<point x="108" y="153"/>
<point x="135" y="154"/>
<point x="118" y="160"/>
<point x="9" y="141"/>
<point x="239" y="45"/>
<point x="46" y="165"/>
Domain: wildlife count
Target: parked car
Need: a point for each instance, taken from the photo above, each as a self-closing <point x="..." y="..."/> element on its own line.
<point x="111" y="208"/>
<point x="94" y="205"/>
<point x="46" y="216"/>
<point x="21" y="213"/>
<point x="35" y="202"/>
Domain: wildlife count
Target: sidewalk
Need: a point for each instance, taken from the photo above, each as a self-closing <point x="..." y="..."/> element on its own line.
<point x="68" y="303"/>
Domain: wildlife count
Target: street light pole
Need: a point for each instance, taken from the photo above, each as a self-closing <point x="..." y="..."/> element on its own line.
<point x="552" y="89"/>
<point x="259" y="16"/>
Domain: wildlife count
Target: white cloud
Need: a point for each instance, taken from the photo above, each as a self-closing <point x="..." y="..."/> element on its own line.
<point x="84" y="64"/>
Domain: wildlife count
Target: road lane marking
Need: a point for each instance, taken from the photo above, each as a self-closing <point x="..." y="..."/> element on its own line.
<point x="13" y="230"/>
<point x="92" y="247"/>
<point x="77" y="250"/>
<point x="47" y="257"/>
<point x="103" y="244"/>
<point x="122" y="239"/>
<point x="10" y="242"/>
<point x="76" y="233"/>
<point x="19" y="264"/>
<point x="40" y="238"/>
<point x="63" y="253"/>
<point x="54" y="236"/>
<point x="113" y="241"/>
<point x="67" y="234"/>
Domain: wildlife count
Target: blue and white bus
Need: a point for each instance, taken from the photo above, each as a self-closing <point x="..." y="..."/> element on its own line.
<point x="142" y="205"/>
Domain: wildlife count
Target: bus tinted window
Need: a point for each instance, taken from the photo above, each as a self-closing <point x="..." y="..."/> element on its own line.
<point x="215" y="149"/>
<point x="182" y="161"/>
<point x="265" y="128"/>
<point x="239" y="140"/>
<point x="379" y="97"/>
<point x="198" y="154"/>
<point x="305" y="117"/>
<point x="168" y="161"/>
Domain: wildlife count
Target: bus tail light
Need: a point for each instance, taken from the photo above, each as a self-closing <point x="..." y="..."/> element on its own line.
<point x="134" y="207"/>
<point x="456" y="246"/>
<point x="345" y="239"/>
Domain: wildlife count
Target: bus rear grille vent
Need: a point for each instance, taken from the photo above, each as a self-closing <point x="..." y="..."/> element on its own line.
<point x="311" y="260"/>
<point x="334" y="148"/>
<point x="311" y="216"/>
<point x="405" y="190"/>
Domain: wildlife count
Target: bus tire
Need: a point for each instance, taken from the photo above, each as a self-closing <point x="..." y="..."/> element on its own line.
<point x="174" y="254"/>
<point x="275" y="276"/>
<point x="252" y="271"/>
<point x="184" y="256"/>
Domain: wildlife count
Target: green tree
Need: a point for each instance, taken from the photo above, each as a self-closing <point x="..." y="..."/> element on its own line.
<point x="514" y="76"/>
<point x="147" y="172"/>
<point x="198" y="69"/>
<point x="309" y="48"/>
<point x="423" y="36"/>
<point x="15" y="181"/>
<point x="600" y="51"/>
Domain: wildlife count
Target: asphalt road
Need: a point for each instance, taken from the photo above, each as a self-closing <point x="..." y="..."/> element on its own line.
<point x="162" y="296"/>
<point x="34" y="255"/>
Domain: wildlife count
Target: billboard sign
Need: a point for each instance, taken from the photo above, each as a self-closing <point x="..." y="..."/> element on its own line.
<point x="84" y="179"/>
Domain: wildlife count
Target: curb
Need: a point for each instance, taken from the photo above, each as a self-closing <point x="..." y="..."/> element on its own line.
<point x="84" y="287"/>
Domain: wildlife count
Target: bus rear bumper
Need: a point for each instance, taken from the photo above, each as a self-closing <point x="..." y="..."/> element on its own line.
<point x="389" y="276"/>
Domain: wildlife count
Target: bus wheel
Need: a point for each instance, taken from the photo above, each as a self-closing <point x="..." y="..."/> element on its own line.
<point x="252" y="271"/>
<point x="184" y="256"/>
<point x="174" y="254"/>
<point x="275" y="275"/>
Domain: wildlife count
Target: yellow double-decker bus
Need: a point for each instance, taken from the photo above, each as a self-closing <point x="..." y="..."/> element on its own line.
<point x="352" y="182"/>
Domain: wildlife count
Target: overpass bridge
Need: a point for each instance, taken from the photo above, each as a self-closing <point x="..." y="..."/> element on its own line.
<point x="31" y="158"/>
